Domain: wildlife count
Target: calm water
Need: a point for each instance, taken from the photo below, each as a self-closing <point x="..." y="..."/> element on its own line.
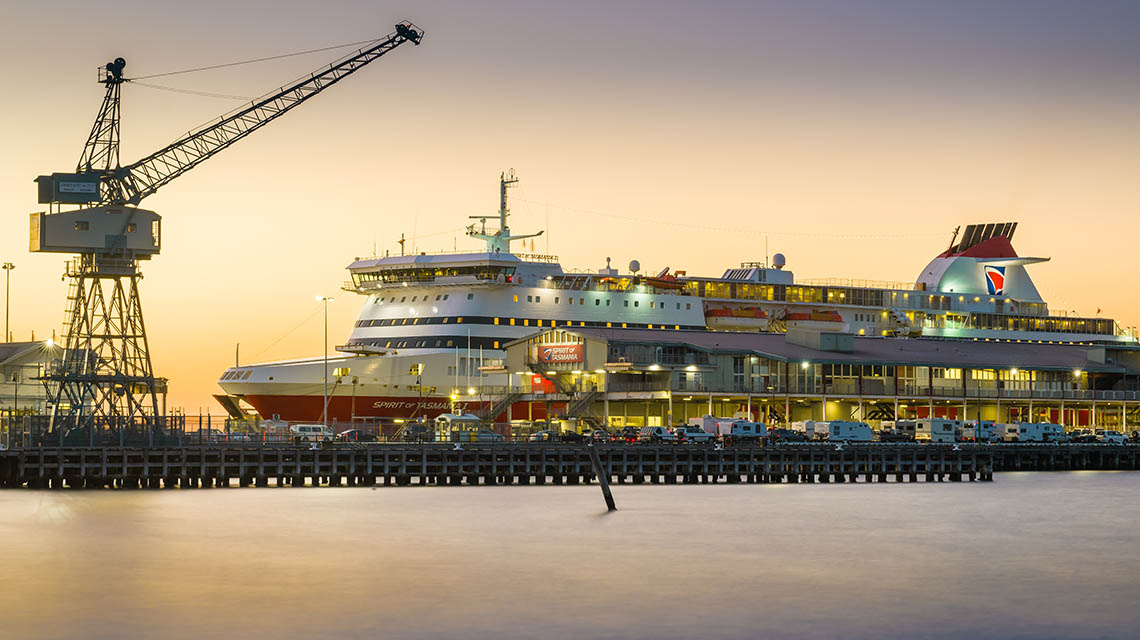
<point x="1030" y="555"/>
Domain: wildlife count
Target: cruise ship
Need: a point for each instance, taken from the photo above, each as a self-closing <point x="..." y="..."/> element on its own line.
<point x="431" y="330"/>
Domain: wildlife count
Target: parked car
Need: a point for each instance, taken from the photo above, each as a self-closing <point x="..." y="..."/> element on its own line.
<point x="628" y="434"/>
<point x="1111" y="437"/>
<point x="779" y="434"/>
<point x="356" y="435"/>
<point x="600" y="435"/>
<point x="545" y="435"/>
<point x="890" y="435"/>
<point x="486" y="435"/>
<point x="418" y="432"/>
<point x="311" y="433"/>
<point x="572" y="436"/>
<point x="656" y="434"/>
<point x="694" y="434"/>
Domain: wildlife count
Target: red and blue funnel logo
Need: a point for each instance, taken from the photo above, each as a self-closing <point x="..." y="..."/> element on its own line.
<point x="995" y="280"/>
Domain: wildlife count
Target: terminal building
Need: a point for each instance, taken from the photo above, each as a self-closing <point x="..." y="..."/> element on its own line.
<point x="649" y="377"/>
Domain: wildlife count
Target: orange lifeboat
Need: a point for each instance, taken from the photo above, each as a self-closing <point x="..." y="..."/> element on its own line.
<point x="735" y="317"/>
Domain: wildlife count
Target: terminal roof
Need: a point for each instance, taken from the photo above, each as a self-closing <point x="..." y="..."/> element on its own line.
<point x="874" y="350"/>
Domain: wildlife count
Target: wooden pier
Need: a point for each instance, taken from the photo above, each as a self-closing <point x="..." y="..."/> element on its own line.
<point x="536" y="464"/>
<point x="488" y="464"/>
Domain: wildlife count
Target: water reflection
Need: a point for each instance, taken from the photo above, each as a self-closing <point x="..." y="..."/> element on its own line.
<point x="1031" y="555"/>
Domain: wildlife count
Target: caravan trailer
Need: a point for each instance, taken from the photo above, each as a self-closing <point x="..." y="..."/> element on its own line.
<point x="936" y="430"/>
<point x="1034" y="432"/>
<point x="843" y="431"/>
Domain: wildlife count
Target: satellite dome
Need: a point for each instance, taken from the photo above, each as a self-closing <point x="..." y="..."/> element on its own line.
<point x="634" y="266"/>
<point x="778" y="261"/>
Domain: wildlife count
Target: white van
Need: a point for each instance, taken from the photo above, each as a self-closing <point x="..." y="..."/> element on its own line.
<point x="936" y="430"/>
<point x="310" y="432"/>
<point x="844" y="431"/>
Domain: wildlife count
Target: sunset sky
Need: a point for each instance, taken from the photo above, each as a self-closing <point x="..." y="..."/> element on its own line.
<point x="853" y="136"/>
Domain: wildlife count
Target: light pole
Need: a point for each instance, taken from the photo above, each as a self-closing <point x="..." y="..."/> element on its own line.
<point x="325" y="406"/>
<point x="8" y="266"/>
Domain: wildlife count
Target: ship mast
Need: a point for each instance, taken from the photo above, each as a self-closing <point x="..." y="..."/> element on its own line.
<point x="499" y="241"/>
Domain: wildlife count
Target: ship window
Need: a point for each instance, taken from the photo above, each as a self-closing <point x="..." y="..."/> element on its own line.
<point x="516" y="297"/>
<point x="451" y="343"/>
<point x="538" y="298"/>
<point x="496" y="321"/>
<point x="540" y="323"/>
<point x="526" y="323"/>
<point x="650" y="304"/>
<point x="556" y="299"/>
<point x="445" y="296"/>
<point x="470" y="296"/>
<point x="459" y="320"/>
<point x="676" y="327"/>
<point x="530" y="298"/>
<point x="687" y="305"/>
<point x="496" y="344"/>
<point x="131" y="227"/>
<point x="627" y="303"/>
<point x="607" y="302"/>
<point x="404" y="321"/>
<point x="512" y="322"/>
<point x="403" y="298"/>
<point x="446" y="320"/>
<point x="387" y="344"/>
<point x="437" y="298"/>
<point x="637" y="303"/>
<point x="598" y="302"/>
<point x="81" y="225"/>
<point x="609" y="324"/>
<point x="678" y="305"/>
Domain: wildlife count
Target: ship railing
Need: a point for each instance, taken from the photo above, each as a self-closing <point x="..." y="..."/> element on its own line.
<point x="858" y="283"/>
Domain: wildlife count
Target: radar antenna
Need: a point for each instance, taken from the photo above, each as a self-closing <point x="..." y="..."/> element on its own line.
<point x="499" y="241"/>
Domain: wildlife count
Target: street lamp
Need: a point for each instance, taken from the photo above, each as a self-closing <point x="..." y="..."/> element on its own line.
<point x="325" y="409"/>
<point x="7" y="266"/>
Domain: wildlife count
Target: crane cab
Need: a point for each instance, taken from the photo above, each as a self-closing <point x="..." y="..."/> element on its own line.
<point x="102" y="229"/>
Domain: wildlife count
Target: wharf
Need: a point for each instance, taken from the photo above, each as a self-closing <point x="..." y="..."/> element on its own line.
<point x="526" y="464"/>
<point x="488" y="464"/>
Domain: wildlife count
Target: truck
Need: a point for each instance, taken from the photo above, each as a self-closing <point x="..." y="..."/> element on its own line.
<point x="936" y="430"/>
<point x="1034" y="432"/>
<point x="693" y="433"/>
<point x="845" y="431"/>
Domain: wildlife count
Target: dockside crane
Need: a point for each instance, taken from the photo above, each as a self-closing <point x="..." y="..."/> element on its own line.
<point x="105" y="382"/>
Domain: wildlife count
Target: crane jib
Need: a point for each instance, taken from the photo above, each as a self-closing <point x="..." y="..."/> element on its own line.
<point x="132" y="183"/>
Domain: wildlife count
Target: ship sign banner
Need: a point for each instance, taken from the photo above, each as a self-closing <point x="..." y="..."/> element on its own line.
<point x="556" y="353"/>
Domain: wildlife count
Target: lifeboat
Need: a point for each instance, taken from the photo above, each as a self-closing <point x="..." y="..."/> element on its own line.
<point x="735" y="317"/>
<point x="816" y="319"/>
<point x="665" y="281"/>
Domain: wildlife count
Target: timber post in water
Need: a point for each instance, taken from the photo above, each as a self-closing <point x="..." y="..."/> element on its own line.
<point x="602" y="475"/>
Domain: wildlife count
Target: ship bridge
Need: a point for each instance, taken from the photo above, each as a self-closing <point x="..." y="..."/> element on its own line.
<point x="371" y="274"/>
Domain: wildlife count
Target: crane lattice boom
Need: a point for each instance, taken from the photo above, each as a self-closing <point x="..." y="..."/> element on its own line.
<point x="132" y="183"/>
